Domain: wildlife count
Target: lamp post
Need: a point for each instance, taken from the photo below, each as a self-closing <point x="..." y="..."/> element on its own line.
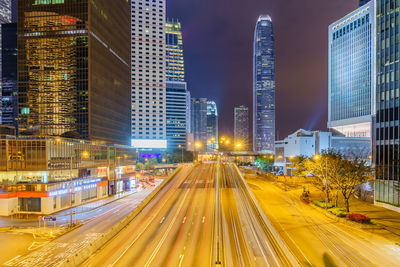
<point x="181" y="147"/>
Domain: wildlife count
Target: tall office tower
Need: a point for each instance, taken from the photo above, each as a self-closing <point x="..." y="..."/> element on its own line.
<point x="148" y="75"/>
<point x="74" y="68"/>
<point x="175" y="70"/>
<point x="176" y="115"/>
<point x="241" y="127"/>
<point x="352" y="72"/>
<point x="363" y="2"/>
<point x="199" y="122"/>
<point x="176" y="87"/>
<point x="387" y="157"/>
<point x="212" y="126"/>
<point x="5" y="17"/>
<point x="9" y="88"/>
<point x="264" y="86"/>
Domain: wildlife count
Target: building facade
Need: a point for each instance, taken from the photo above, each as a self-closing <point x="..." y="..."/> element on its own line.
<point x="264" y="86"/>
<point x="148" y="74"/>
<point x="9" y="84"/>
<point x="352" y="72"/>
<point x="387" y="179"/>
<point x="178" y="98"/>
<point x="5" y="17"/>
<point x="176" y="115"/>
<point x="309" y="143"/>
<point x="39" y="174"/>
<point x="241" y="127"/>
<point x="74" y="68"/>
<point x="199" y="122"/>
<point x="175" y="69"/>
<point x="212" y="126"/>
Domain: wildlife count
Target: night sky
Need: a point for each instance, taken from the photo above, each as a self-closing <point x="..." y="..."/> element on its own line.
<point x="218" y="39"/>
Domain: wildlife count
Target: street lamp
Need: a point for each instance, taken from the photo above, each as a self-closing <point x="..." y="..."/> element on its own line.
<point x="181" y="147"/>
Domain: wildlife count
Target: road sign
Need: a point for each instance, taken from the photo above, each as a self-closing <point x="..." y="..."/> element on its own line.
<point x="49" y="218"/>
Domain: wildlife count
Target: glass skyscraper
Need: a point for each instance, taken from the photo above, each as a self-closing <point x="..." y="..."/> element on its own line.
<point x="212" y="126"/>
<point x="387" y="179"/>
<point x="5" y="17"/>
<point x="352" y="73"/>
<point x="264" y="86"/>
<point x="175" y="70"/>
<point x="199" y="121"/>
<point x="177" y="94"/>
<point x="241" y="127"/>
<point x="74" y="68"/>
<point x="9" y="88"/>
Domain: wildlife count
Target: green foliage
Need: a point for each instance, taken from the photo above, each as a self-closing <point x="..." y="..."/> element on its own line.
<point x="332" y="170"/>
<point x="264" y="162"/>
<point x="339" y="212"/>
<point x="322" y="204"/>
<point x="139" y="166"/>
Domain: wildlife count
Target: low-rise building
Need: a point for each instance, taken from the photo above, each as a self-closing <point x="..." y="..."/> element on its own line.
<point x="42" y="175"/>
<point x="308" y="143"/>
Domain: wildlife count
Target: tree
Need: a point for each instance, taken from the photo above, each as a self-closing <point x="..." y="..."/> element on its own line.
<point x="264" y="162"/>
<point x="353" y="173"/>
<point x="139" y="166"/>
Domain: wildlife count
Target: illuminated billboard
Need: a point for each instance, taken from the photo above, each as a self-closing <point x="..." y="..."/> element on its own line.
<point x="146" y="143"/>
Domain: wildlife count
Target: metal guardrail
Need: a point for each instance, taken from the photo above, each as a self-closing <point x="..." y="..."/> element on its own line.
<point x="81" y="256"/>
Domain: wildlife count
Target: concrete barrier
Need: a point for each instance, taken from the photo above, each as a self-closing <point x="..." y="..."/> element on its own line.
<point x="81" y="256"/>
<point x="267" y="224"/>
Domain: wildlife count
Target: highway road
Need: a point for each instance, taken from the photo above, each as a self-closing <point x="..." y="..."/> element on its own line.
<point x="203" y="219"/>
<point x="175" y="229"/>
<point x="247" y="240"/>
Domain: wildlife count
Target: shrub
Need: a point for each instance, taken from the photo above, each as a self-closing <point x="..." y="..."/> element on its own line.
<point x="322" y="204"/>
<point x="339" y="212"/>
<point x="358" y="218"/>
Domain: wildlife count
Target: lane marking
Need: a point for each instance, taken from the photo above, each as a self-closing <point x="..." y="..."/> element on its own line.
<point x="163" y="218"/>
<point x="203" y="220"/>
<point x="184" y="220"/>
<point x="181" y="257"/>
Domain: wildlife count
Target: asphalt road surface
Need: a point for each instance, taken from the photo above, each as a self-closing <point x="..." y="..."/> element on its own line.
<point x="203" y="219"/>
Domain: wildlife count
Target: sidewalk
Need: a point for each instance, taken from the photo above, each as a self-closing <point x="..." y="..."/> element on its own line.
<point x="32" y="221"/>
<point x="387" y="220"/>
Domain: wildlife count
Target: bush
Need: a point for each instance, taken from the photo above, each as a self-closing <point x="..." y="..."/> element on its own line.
<point x="321" y="204"/>
<point x="339" y="212"/>
<point x="358" y="218"/>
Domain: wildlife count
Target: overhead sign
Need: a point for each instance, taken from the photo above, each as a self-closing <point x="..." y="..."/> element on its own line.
<point x="49" y="218"/>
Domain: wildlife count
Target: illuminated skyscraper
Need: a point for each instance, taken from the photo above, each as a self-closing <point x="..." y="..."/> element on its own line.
<point x="352" y="72"/>
<point x="5" y="17"/>
<point x="148" y="74"/>
<point x="175" y="70"/>
<point x="387" y="178"/>
<point x="241" y="127"/>
<point x="177" y="94"/>
<point x="212" y="126"/>
<point x="74" y="68"/>
<point x="199" y="121"/>
<point x="264" y="86"/>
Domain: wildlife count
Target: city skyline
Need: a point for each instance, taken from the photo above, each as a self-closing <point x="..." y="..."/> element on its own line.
<point x="235" y="80"/>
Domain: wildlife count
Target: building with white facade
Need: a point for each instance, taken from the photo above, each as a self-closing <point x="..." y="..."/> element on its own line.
<point x="309" y="143"/>
<point x="352" y="72"/>
<point x="148" y="74"/>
